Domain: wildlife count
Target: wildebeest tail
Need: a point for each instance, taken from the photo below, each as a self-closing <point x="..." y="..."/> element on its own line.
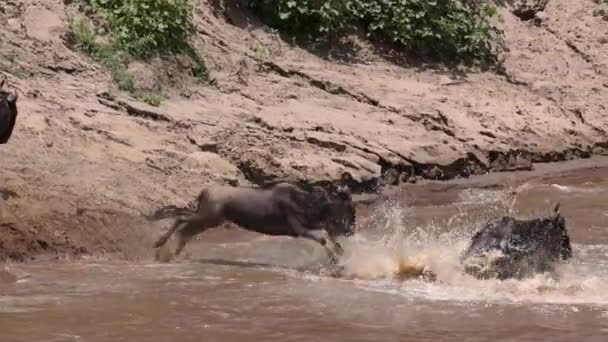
<point x="169" y="211"/>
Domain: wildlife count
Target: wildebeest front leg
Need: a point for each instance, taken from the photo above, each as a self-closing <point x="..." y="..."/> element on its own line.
<point x="163" y="239"/>
<point x="301" y="231"/>
<point x="337" y="246"/>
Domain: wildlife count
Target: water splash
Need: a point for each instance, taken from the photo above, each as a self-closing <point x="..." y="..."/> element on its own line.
<point x="401" y="249"/>
<point x="398" y="248"/>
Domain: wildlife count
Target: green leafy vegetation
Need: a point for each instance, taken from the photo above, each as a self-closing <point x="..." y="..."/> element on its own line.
<point x="432" y="28"/>
<point x="114" y="32"/>
<point x="153" y="99"/>
<point x="261" y="53"/>
<point x="145" y="27"/>
<point x="111" y="56"/>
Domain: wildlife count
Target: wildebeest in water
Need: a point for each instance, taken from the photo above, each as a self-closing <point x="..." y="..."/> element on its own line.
<point x="284" y="209"/>
<point x="511" y="248"/>
<point x="8" y="113"/>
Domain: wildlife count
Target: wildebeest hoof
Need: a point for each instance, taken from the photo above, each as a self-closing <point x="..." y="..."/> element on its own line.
<point x="162" y="255"/>
<point x="339" y="249"/>
<point x="428" y="275"/>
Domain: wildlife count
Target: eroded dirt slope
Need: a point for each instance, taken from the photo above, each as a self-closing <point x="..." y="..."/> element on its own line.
<point x="86" y="161"/>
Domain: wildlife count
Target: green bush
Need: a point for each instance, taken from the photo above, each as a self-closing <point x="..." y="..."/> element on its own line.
<point x="83" y="34"/>
<point x="114" y="32"/>
<point x="440" y="28"/>
<point x="153" y="99"/>
<point x="145" y="27"/>
<point x="304" y="18"/>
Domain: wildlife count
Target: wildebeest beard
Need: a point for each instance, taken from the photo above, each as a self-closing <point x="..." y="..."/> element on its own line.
<point x="8" y="113"/>
<point x="511" y="248"/>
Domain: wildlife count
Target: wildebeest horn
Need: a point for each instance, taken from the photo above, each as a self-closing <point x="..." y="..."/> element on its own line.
<point x="342" y="189"/>
<point x="2" y="83"/>
<point x="556" y="208"/>
<point x="12" y="96"/>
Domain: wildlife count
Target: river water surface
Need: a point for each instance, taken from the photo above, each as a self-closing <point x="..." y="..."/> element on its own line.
<point x="240" y="286"/>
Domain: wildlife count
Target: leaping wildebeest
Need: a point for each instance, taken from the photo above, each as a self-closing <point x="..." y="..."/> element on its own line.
<point x="284" y="209"/>
<point x="8" y="113"/>
<point x="512" y="248"/>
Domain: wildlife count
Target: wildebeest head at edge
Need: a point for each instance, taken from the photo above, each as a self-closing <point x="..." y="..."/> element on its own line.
<point x="8" y="113"/>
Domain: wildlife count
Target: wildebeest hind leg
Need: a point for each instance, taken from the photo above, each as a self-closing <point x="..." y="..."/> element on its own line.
<point x="186" y="234"/>
<point x="163" y="239"/>
<point x="184" y="237"/>
<point x="195" y="225"/>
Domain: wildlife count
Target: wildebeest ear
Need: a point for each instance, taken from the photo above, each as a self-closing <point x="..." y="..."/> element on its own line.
<point x="2" y="83"/>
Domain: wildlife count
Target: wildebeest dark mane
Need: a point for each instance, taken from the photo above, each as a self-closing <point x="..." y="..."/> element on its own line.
<point x="317" y="198"/>
<point x="524" y="246"/>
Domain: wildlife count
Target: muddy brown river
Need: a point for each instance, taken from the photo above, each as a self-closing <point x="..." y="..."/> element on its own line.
<point x="239" y="286"/>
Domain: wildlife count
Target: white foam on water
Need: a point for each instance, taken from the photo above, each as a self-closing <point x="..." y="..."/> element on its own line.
<point x="563" y="188"/>
<point x="574" y="189"/>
